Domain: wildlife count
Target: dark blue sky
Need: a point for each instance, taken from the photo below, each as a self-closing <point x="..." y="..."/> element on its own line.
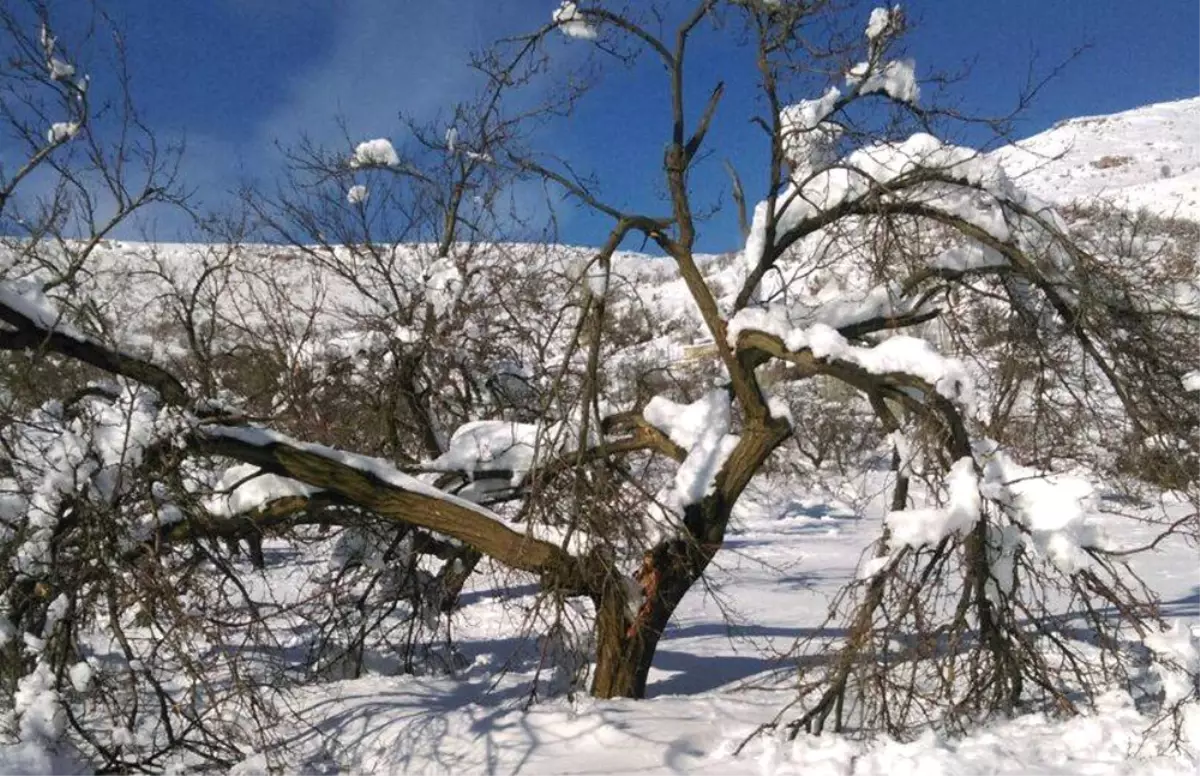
<point x="239" y="75"/>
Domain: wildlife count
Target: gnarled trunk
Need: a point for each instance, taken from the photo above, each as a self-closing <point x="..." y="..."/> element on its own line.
<point x="627" y="630"/>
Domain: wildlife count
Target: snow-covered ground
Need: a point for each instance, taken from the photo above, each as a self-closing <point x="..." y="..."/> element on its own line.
<point x="715" y="679"/>
<point x="721" y="670"/>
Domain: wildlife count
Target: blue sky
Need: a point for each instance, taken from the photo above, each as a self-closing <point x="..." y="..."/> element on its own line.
<point x="237" y="76"/>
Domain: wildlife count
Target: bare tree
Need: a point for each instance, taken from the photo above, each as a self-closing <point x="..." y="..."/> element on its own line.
<point x="963" y="311"/>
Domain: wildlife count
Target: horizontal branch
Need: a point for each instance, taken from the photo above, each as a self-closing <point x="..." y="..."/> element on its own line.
<point x="288" y="512"/>
<point x="395" y="496"/>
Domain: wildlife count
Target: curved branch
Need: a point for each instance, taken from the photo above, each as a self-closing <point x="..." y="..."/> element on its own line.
<point x="32" y="333"/>
<point x="395" y="496"/>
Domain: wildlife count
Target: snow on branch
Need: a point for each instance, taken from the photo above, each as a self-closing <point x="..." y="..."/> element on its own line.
<point x="503" y="447"/>
<point x="896" y="78"/>
<point x="244" y="488"/>
<point x="61" y="131"/>
<point x="376" y="468"/>
<point x="920" y="175"/>
<point x="845" y="310"/>
<point x="1053" y="511"/>
<point x="898" y="355"/>
<point x="1052" y="515"/>
<point x="60" y="70"/>
<point x="30" y="320"/>
<point x="809" y="141"/>
<point x="702" y="429"/>
<point x="374" y="153"/>
<point x="499" y="455"/>
<point x="62" y="455"/>
<point x="376" y="485"/>
<point x="572" y="22"/>
<point x="29" y="307"/>
<point x="883" y="21"/>
<point x="926" y="526"/>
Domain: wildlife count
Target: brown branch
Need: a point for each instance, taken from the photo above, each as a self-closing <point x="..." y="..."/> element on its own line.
<point x="391" y="499"/>
<point x="31" y="335"/>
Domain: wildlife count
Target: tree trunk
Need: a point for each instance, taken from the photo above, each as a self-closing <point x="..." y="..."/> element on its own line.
<point x="624" y="651"/>
<point x="453" y="576"/>
<point x="627" y="632"/>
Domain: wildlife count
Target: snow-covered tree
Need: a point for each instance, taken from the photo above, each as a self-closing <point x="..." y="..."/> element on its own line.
<point x="402" y="377"/>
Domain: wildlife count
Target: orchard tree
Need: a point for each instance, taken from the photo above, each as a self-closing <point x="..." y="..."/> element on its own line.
<point x="505" y="401"/>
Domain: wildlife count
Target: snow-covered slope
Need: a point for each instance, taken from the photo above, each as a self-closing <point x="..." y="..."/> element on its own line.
<point x="1148" y="158"/>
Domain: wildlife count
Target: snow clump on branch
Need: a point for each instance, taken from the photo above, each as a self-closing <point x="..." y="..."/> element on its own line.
<point x="571" y="22"/>
<point x="897" y="79"/>
<point x="809" y="141"/>
<point x="702" y="428"/>
<point x="62" y="130"/>
<point x="375" y="153"/>
<point x="882" y="20"/>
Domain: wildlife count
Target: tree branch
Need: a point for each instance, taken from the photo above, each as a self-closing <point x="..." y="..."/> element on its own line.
<point x="395" y="496"/>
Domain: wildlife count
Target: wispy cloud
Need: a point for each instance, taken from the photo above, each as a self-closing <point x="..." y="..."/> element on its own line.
<point x="387" y="57"/>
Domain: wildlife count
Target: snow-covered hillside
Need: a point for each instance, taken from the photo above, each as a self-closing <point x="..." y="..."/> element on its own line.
<point x="1148" y="158"/>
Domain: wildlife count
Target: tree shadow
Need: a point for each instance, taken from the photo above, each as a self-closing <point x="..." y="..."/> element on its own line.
<point x="1184" y="606"/>
<point x="436" y="726"/>
<point x="692" y="674"/>
<point x="471" y="597"/>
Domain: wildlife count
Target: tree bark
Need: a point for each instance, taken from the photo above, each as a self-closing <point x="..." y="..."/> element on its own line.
<point x="627" y="638"/>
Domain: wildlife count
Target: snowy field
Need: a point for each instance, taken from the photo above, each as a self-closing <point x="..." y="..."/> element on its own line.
<point x="1148" y="158"/>
<point x="716" y="678"/>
